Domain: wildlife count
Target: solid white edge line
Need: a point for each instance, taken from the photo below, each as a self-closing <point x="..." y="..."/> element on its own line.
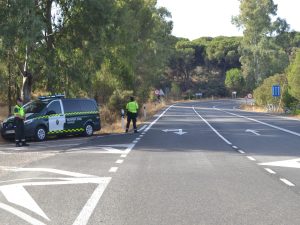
<point x="20" y="214"/>
<point x="91" y="204"/>
<point x="211" y="127"/>
<point x="270" y="171"/>
<point x="240" y="151"/>
<point x="113" y="169"/>
<point x="142" y="128"/>
<point x="287" y="182"/>
<point x="266" y="124"/>
<point x="119" y="161"/>
<point x="251" y="158"/>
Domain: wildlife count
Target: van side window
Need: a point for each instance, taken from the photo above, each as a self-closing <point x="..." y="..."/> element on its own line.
<point x="54" y="108"/>
<point x="88" y="106"/>
<point x="71" y="105"/>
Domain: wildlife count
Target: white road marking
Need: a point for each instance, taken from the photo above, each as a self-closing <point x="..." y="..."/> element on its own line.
<point x="91" y="204"/>
<point x="241" y="151"/>
<point x="113" y="169"/>
<point x="253" y="132"/>
<point x="267" y="124"/>
<point x="142" y="128"/>
<point x="222" y="137"/>
<point x="123" y="155"/>
<point x="251" y="158"/>
<point x="293" y="163"/>
<point x="235" y="147"/>
<point x="138" y="139"/>
<point x="17" y="195"/>
<point x="287" y="182"/>
<point x="270" y="171"/>
<point x="20" y="214"/>
<point x="143" y="133"/>
<point x="22" y="198"/>
<point x="119" y="161"/>
<point x="153" y="122"/>
<point x="135" y="142"/>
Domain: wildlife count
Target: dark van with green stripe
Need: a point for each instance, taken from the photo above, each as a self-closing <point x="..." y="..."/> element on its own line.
<point x="56" y="115"/>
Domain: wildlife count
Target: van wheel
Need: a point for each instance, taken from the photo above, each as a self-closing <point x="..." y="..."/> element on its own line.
<point x="88" y="130"/>
<point x="40" y="134"/>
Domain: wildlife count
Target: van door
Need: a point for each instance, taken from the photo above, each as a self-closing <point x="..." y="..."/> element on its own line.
<point x="57" y="118"/>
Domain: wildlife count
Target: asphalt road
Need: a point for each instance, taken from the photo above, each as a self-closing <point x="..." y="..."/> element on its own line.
<point x="193" y="163"/>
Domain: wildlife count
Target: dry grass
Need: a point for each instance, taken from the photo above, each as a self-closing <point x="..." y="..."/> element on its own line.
<point x="111" y="123"/>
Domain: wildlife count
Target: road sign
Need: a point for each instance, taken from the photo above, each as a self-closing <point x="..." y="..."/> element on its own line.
<point x="275" y="90"/>
<point x="249" y="96"/>
<point x="156" y="92"/>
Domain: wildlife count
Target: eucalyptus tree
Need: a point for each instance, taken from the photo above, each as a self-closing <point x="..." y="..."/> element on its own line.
<point x="294" y="76"/>
<point x="261" y="57"/>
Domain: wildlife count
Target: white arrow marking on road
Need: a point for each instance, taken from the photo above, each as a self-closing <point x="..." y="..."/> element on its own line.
<point x="253" y="131"/>
<point x="16" y="193"/>
<point x="180" y="132"/>
<point x="176" y="131"/>
<point x="293" y="163"/>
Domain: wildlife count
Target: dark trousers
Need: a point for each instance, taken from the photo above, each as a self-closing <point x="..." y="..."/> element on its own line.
<point x="19" y="131"/>
<point x="131" y="116"/>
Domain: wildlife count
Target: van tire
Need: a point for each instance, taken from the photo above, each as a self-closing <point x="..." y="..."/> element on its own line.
<point x="40" y="133"/>
<point x="88" y="130"/>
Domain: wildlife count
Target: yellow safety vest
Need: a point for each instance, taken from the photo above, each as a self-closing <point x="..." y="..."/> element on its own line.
<point x="19" y="112"/>
<point x="132" y="107"/>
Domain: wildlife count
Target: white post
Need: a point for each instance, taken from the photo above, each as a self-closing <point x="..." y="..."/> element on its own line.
<point x="123" y="119"/>
<point x="145" y="111"/>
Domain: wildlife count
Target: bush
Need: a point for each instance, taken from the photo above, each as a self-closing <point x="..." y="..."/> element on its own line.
<point x="263" y="94"/>
<point x="119" y="99"/>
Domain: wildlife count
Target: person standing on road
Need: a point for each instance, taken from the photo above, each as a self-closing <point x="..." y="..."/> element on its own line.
<point x="19" y="113"/>
<point x="132" y="108"/>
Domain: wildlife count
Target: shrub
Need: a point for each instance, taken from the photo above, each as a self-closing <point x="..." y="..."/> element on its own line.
<point x="118" y="100"/>
<point x="263" y="94"/>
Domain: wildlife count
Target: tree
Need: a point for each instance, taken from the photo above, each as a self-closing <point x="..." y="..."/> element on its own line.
<point x="294" y="76"/>
<point x="235" y="81"/>
<point x="260" y="56"/>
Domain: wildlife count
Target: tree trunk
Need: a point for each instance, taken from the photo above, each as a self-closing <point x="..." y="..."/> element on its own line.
<point x="9" y="89"/>
<point x="27" y="87"/>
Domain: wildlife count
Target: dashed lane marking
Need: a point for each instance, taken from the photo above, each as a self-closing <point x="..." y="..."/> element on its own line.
<point x="287" y="182"/>
<point x="113" y="169"/>
<point x="251" y="158"/>
<point x="270" y="171"/>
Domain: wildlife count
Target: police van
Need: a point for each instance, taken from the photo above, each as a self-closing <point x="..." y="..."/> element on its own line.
<point x="56" y="115"/>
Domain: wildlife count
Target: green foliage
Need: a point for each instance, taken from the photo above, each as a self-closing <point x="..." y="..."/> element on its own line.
<point x="175" y="91"/>
<point x="263" y="94"/>
<point x="261" y="57"/>
<point x="294" y="76"/>
<point x="119" y="99"/>
<point x="235" y="81"/>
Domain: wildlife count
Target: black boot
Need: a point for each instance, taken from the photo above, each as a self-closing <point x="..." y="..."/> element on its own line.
<point x="18" y="144"/>
<point x="25" y="144"/>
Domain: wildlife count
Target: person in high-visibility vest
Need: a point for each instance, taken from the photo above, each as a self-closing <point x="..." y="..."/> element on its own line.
<point x="19" y="114"/>
<point x="132" y="109"/>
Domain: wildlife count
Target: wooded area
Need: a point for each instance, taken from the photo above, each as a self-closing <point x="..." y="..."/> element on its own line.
<point x="109" y="50"/>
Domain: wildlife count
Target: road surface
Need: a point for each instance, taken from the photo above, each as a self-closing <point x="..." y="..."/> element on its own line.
<point x="192" y="163"/>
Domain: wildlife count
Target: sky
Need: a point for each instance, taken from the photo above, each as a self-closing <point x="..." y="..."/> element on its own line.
<point x="197" y="18"/>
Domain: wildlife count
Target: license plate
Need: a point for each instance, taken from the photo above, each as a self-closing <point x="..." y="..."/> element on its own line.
<point x="10" y="132"/>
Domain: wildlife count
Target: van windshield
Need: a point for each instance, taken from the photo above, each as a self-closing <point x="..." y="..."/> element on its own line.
<point x="35" y="106"/>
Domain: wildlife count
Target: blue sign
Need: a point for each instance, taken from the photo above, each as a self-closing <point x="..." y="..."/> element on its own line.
<point x="275" y="90"/>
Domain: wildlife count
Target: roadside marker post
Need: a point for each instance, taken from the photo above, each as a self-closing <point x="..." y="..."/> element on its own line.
<point x="145" y="111"/>
<point x="123" y="119"/>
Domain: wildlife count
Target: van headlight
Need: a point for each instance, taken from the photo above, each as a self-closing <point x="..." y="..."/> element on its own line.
<point x="28" y="121"/>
